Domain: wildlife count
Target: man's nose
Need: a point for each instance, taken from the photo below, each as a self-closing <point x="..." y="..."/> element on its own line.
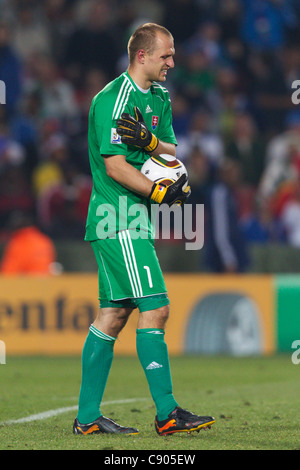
<point x="170" y="62"/>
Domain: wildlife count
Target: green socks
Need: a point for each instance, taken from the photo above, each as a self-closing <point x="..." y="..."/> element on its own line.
<point x="153" y="355"/>
<point x="97" y="356"/>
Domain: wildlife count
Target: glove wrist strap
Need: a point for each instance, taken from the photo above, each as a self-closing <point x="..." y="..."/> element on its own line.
<point x="158" y="193"/>
<point x="152" y="145"/>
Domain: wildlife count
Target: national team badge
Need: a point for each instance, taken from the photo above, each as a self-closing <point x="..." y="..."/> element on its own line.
<point x="154" y="122"/>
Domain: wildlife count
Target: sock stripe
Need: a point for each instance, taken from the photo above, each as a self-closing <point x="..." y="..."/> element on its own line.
<point x="101" y="335"/>
<point x="151" y="331"/>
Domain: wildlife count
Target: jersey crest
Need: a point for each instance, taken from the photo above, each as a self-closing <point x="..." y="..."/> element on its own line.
<point x="154" y="122"/>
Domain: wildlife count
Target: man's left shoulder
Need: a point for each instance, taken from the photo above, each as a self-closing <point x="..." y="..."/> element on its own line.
<point x="161" y="91"/>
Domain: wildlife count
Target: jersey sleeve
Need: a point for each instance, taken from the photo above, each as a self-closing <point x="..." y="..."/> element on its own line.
<point x="106" y="128"/>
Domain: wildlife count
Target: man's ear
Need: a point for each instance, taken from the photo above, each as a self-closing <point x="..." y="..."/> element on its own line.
<point x="141" y="56"/>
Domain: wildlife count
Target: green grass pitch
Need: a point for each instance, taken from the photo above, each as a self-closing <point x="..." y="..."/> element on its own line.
<point x="255" y="402"/>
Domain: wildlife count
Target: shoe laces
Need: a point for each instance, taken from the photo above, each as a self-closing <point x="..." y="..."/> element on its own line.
<point x="185" y="414"/>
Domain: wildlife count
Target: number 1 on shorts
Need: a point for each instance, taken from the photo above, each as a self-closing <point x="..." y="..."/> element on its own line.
<point x="149" y="276"/>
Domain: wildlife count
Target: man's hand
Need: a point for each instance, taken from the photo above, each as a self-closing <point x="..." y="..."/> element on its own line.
<point x="173" y="194"/>
<point x="135" y="132"/>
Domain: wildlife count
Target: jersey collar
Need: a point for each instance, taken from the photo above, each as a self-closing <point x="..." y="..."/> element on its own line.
<point x="126" y="74"/>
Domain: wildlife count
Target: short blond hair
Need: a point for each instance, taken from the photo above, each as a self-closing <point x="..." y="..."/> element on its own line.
<point x="144" y="37"/>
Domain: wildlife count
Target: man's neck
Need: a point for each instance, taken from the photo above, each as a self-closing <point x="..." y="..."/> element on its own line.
<point x="143" y="83"/>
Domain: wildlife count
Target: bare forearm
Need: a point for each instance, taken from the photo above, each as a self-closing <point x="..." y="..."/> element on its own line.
<point x="131" y="178"/>
<point x="164" y="147"/>
<point x="127" y="175"/>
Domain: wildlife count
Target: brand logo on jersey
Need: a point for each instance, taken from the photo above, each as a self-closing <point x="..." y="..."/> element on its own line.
<point x="154" y="122"/>
<point x="148" y="109"/>
<point x="114" y="136"/>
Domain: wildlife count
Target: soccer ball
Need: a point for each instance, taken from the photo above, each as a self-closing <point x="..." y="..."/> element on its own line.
<point x="164" y="169"/>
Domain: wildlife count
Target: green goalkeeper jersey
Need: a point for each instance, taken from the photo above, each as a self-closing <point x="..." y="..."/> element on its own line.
<point x="112" y="207"/>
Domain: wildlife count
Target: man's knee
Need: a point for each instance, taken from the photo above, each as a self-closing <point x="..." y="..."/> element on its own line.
<point x="112" y="320"/>
<point x="156" y="318"/>
<point x="163" y="313"/>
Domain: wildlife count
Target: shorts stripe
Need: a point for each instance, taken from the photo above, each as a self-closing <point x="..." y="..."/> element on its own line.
<point x="126" y="263"/>
<point x="134" y="262"/>
<point x="130" y="263"/>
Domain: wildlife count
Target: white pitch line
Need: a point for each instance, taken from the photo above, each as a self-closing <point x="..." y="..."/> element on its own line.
<point x="58" y="411"/>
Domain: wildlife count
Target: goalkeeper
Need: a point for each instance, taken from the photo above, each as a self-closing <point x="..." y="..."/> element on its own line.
<point x="129" y="120"/>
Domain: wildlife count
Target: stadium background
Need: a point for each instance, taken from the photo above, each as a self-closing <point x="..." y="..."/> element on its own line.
<point x="236" y="126"/>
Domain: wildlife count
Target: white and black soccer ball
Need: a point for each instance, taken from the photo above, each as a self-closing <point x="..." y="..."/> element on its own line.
<point x="164" y="169"/>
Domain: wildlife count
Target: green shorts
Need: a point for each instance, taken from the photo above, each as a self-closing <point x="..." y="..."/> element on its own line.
<point x="129" y="273"/>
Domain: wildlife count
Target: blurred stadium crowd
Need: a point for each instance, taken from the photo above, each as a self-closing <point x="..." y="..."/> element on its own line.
<point x="237" y="128"/>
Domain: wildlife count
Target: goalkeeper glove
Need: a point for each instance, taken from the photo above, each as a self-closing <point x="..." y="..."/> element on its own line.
<point x="173" y="194"/>
<point x="135" y="132"/>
